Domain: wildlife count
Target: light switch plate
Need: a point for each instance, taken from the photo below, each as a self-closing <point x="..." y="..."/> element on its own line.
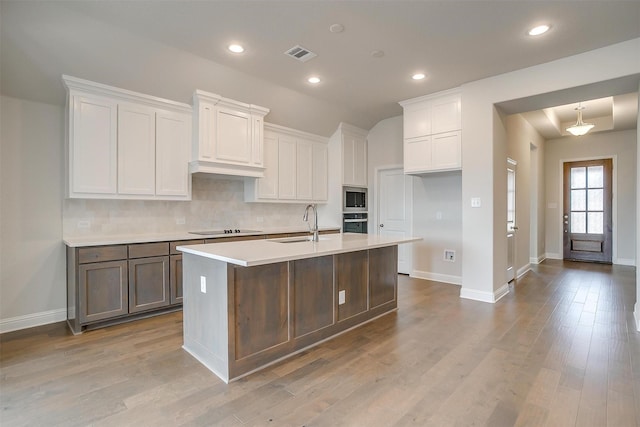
<point x="341" y="297"/>
<point x="476" y="202"/>
<point x="203" y="284"/>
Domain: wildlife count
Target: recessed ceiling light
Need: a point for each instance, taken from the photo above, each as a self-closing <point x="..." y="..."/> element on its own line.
<point x="236" y="48"/>
<point x="314" y="80"/>
<point x="540" y="29"/>
<point x="336" y="28"/>
<point x="418" y="76"/>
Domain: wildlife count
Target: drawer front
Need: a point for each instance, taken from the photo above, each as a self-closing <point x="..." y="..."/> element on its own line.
<point x="101" y="254"/>
<point x="173" y="245"/>
<point x="148" y="250"/>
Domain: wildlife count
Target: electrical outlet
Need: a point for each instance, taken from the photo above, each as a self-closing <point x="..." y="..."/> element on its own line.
<point x="181" y="220"/>
<point x="84" y="223"/>
<point x="341" y="297"/>
<point x="203" y="284"/>
<point x="259" y="219"/>
<point x="438" y="215"/>
<point x="449" y="255"/>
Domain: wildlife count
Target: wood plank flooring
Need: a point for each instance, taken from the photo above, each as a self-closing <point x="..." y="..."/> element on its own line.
<point x="559" y="350"/>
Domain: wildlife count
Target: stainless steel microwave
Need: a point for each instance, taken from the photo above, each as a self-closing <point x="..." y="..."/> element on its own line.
<point x="354" y="199"/>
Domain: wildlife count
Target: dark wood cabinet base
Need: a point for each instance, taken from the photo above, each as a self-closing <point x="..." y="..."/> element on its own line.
<point x="251" y="317"/>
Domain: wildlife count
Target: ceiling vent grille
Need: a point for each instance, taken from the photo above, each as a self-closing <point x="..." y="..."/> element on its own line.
<point x="300" y="53"/>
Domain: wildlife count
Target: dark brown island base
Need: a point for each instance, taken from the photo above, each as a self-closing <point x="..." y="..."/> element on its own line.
<point x="250" y="304"/>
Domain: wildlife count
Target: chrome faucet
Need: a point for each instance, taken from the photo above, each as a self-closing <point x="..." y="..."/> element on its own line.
<point x="305" y="217"/>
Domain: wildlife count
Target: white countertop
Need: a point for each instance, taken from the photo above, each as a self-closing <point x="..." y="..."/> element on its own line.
<point x="259" y="252"/>
<point x="76" y="242"/>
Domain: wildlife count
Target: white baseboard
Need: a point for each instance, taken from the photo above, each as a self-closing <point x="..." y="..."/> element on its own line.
<point x="636" y="316"/>
<point x="437" y="277"/>
<point x="537" y="260"/>
<point x="523" y="270"/>
<point x="491" y="297"/>
<point x="31" y="320"/>
<point x="553" y="255"/>
<point x="625" y="261"/>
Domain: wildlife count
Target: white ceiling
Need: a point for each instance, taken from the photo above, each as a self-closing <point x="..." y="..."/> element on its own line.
<point x="170" y="48"/>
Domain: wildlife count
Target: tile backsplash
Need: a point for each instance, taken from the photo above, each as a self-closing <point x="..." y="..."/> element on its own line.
<point x="216" y="203"/>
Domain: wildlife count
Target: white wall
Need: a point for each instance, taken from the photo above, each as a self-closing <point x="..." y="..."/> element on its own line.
<point x="217" y="203"/>
<point x="618" y="145"/>
<point x="437" y="218"/>
<point x="436" y="205"/>
<point x="384" y="150"/>
<point x="521" y="135"/>
<point x="32" y="256"/>
<point x="34" y="216"/>
<point x="484" y="151"/>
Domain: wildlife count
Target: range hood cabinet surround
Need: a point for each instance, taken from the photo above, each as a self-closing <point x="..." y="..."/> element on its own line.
<point x="228" y="136"/>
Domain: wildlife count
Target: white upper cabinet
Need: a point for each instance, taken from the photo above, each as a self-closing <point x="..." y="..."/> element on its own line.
<point x="287" y="147"/>
<point x="267" y="187"/>
<point x="304" y="170"/>
<point x="173" y="139"/>
<point x="228" y="136"/>
<point x="136" y="150"/>
<point x="296" y="165"/>
<point x="432" y="133"/>
<point x="354" y="156"/>
<point x="320" y="172"/>
<point x="126" y="145"/>
<point x="92" y="145"/>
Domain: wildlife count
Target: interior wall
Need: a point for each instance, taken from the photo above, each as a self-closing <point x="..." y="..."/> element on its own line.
<point x="437" y="218"/>
<point x="385" y="149"/>
<point x="520" y="136"/>
<point x="217" y="203"/>
<point x="436" y="205"/>
<point x="32" y="256"/>
<point x="620" y="145"/>
<point x="481" y="146"/>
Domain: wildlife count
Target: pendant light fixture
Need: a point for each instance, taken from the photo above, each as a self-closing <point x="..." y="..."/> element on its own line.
<point x="580" y="128"/>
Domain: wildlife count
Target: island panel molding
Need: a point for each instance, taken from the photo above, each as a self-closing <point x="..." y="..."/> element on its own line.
<point x="276" y="309"/>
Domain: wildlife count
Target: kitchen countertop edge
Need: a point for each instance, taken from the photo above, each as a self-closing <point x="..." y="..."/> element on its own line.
<point x="269" y="252"/>
<point x="83" y="241"/>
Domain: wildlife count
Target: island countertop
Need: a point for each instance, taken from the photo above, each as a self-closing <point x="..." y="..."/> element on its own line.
<point x="261" y="252"/>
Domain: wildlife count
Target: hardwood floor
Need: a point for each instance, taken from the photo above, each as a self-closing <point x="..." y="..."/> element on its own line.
<point x="559" y="350"/>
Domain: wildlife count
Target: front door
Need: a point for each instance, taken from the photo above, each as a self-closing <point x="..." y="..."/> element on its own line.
<point x="587" y="210"/>
<point x="394" y="211"/>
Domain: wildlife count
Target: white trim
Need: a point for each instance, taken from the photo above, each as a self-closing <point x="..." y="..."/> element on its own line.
<point x="553" y="255"/>
<point x="523" y="270"/>
<point x="295" y="133"/>
<point x="538" y="260"/>
<point x="636" y="316"/>
<point x="31" y="320"/>
<point x="437" y="277"/>
<point x="490" y="297"/>
<point x="625" y="261"/>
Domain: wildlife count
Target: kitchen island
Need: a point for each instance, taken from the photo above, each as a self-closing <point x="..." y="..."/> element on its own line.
<point x="250" y="304"/>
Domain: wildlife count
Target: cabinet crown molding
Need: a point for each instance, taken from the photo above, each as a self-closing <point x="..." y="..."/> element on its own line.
<point x="215" y="99"/>
<point x="295" y="133"/>
<point x="431" y="96"/>
<point x="346" y="127"/>
<point x="73" y="84"/>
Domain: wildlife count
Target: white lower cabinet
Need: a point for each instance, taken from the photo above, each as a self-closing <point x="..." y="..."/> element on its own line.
<point x="124" y="145"/>
<point x="296" y="165"/>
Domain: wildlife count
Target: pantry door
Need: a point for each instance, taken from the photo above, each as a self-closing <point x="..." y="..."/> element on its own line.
<point x="587" y="222"/>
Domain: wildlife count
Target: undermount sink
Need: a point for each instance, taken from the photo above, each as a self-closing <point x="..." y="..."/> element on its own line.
<point x="295" y="239"/>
